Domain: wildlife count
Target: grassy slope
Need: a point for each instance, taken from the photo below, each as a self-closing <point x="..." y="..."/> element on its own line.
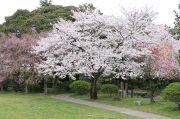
<point x="161" y="107"/>
<point x="37" y="106"/>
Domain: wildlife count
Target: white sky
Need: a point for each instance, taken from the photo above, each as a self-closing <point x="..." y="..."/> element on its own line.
<point x="110" y="7"/>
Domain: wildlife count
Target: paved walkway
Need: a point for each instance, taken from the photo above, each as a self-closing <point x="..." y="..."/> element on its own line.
<point x="141" y="114"/>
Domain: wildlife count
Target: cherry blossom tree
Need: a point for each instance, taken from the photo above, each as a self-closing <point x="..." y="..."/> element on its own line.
<point x="3" y="72"/>
<point x="162" y="64"/>
<point x="164" y="59"/>
<point x="97" y="45"/>
<point x="83" y="46"/>
<point x="140" y="36"/>
<point x="16" y="57"/>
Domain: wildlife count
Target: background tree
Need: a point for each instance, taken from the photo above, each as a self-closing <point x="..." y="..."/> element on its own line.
<point x="44" y="3"/>
<point x="176" y="30"/>
<point x="86" y="7"/>
<point x="162" y="64"/>
<point x="17" y="57"/>
<point x="138" y="34"/>
<point x="40" y="19"/>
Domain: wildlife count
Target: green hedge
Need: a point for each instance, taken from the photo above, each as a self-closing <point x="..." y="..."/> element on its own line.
<point x="80" y="87"/>
<point x="172" y="92"/>
<point x="109" y="88"/>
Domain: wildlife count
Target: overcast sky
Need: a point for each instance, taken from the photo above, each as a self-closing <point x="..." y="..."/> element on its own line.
<point x="110" y="7"/>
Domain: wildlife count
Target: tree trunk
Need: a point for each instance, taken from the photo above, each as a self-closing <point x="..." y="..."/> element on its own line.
<point x="45" y="87"/>
<point x="54" y="83"/>
<point x="152" y="96"/>
<point x="132" y="92"/>
<point x="26" y="88"/>
<point x="126" y="88"/>
<point x="122" y="89"/>
<point x="2" y="88"/>
<point x="178" y="105"/>
<point x="93" y="91"/>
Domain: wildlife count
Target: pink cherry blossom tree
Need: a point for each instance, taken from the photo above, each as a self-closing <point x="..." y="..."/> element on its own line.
<point x="83" y="46"/>
<point x="138" y="34"/>
<point x="162" y="63"/>
<point x="165" y="63"/>
<point x="97" y="45"/>
<point x="16" y="57"/>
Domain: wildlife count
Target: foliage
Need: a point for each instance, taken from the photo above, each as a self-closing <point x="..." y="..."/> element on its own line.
<point x="79" y="52"/>
<point x="35" y="87"/>
<point x="109" y="88"/>
<point x="72" y="41"/>
<point x="79" y="44"/>
<point x="80" y="87"/>
<point x="16" y="58"/>
<point x="164" y="61"/>
<point x="97" y="45"/>
<point x="38" y="20"/>
<point x="141" y="94"/>
<point x="87" y="7"/>
<point x="172" y="92"/>
<point x="176" y="30"/>
<point x="44" y="3"/>
<point x="65" y="85"/>
<point x="162" y="64"/>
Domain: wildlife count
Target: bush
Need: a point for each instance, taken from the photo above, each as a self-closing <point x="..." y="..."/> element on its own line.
<point x="109" y="88"/>
<point x="65" y="85"/>
<point x="141" y="94"/>
<point x="36" y="87"/>
<point x="80" y="87"/>
<point x="172" y="93"/>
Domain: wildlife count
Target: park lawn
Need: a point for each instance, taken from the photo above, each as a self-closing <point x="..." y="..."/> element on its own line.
<point x="161" y="106"/>
<point x="39" y="106"/>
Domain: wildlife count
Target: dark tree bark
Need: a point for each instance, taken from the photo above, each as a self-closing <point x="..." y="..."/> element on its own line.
<point x="122" y="88"/>
<point x="2" y="87"/>
<point x="93" y="90"/>
<point x="126" y="88"/>
<point x="26" y="88"/>
<point x="77" y="76"/>
<point x="152" y="96"/>
<point x="132" y="92"/>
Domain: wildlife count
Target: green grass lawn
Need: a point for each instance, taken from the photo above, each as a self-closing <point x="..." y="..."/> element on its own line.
<point x="39" y="106"/>
<point x="161" y="106"/>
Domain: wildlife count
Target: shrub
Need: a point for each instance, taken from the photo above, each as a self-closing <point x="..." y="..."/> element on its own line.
<point x="36" y="87"/>
<point x="172" y="93"/>
<point x="65" y="85"/>
<point x="109" y="88"/>
<point x="80" y="87"/>
<point x="141" y="94"/>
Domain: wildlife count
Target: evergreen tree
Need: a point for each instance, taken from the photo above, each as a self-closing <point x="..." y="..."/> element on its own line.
<point x="176" y="30"/>
<point x="45" y="2"/>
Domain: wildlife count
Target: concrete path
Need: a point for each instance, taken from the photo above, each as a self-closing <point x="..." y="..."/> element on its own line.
<point x="141" y="114"/>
